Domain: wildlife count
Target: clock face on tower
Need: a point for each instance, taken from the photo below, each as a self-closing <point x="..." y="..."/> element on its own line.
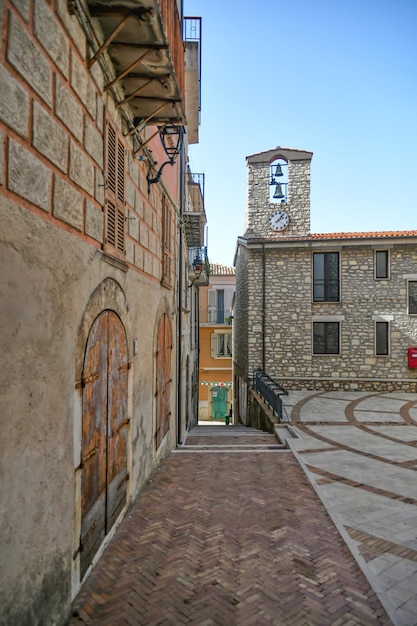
<point x="278" y="220"/>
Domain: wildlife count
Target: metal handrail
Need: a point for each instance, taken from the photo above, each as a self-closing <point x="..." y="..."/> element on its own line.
<point x="271" y="391"/>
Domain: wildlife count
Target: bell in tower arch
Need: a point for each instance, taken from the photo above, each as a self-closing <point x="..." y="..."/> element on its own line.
<point x="278" y="192"/>
<point x="278" y="171"/>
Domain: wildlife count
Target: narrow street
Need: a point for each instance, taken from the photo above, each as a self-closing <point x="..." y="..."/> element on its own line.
<point x="229" y="532"/>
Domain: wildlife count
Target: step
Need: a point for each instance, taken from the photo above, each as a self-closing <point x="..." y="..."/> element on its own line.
<point x="230" y="439"/>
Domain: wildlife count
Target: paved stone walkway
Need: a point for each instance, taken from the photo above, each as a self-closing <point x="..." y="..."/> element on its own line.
<point x="230" y="532"/>
<point x="359" y="451"/>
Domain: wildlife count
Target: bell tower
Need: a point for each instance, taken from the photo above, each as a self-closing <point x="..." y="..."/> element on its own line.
<point x="284" y="212"/>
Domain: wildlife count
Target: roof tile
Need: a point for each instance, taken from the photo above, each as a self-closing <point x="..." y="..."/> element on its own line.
<point x="216" y="269"/>
<point x="395" y="234"/>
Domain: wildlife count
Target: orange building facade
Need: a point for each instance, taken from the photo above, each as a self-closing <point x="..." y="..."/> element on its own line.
<point x="215" y="380"/>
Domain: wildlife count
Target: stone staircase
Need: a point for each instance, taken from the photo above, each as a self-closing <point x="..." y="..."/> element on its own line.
<point x="219" y="438"/>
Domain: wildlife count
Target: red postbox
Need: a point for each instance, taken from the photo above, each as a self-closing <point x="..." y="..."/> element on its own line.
<point x="412" y="358"/>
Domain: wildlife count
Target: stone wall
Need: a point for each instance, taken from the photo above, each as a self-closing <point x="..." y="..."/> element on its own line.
<point x="240" y="334"/>
<point x="55" y="111"/>
<point x="290" y="312"/>
<point x="259" y="207"/>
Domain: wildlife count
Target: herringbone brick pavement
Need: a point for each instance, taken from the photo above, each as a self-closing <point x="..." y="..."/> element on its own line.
<point x="220" y="539"/>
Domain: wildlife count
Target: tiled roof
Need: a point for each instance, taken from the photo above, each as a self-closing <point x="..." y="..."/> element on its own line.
<point x="365" y="235"/>
<point x="289" y="154"/>
<point x="394" y="234"/>
<point x="221" y="270"/>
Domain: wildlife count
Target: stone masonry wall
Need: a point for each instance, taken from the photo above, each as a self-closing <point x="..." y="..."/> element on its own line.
<point x="55" y="110"/>
<point x="240" y="315"/>
<point x="259" y="207"/>
<point x="290" y="311"/>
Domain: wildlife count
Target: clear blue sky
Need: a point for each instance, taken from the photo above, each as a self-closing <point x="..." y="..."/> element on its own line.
<point x="334" y="77"/>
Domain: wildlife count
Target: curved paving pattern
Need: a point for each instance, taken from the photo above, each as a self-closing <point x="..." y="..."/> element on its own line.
<point x="360" y="453"/>
<point x="228" y="539"/>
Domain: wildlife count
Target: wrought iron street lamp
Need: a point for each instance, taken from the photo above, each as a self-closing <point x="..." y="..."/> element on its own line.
<point x="172" y="139"/>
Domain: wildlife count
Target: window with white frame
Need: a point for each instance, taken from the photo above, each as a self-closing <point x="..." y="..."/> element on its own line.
<point x="382" y="338"/>
<point x="381" y="264"/>
<point x="219" y="305"/>
<point x="221" y="345"/>
<point x="412" y="297"/>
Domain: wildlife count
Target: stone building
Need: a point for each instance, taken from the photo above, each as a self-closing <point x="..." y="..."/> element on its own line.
<point x="97" y="365"/>
<point x="318" y="311"/>
<point x="215" y="317"/>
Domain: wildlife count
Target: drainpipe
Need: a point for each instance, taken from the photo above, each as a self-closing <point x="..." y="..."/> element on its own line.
<point x="179" y="316"/>
<point x="263" y="306"/>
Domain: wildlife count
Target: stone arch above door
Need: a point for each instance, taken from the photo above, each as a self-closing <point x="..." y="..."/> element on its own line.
<point x="107" y="295"/>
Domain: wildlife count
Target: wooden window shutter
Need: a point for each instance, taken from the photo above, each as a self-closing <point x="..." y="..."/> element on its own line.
<point x="110" y="223"/>
<point x="167" y="244"/>
<point x="212" y="297"/>
<point x="214" y="345"/>
<point x="212" y="305"/>
<point x="114" y="223"/>
<point x="111" y="160"/>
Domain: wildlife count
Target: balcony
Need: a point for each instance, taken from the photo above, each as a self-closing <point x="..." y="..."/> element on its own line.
<point x="198" y="266"/>
<point x="139" y="46"/>
<point x="192" y="39"/>
<point x="194" y="215"/>
<point x="215" y="316"/>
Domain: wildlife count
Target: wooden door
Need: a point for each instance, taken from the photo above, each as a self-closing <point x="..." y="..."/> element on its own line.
<point x="163" y="379"/>
<point x="219" y="404"/>
<point x="104" y="432"/>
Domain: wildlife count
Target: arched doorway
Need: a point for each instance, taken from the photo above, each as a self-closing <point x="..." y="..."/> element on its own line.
<point x="163" y="379"/>
<point x="104" y="432"/>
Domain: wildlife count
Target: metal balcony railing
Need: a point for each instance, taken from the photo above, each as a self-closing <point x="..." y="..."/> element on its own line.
<point x="215" y="315"/>
<point x="196" y="178"/>
<point x="271" y="392"/>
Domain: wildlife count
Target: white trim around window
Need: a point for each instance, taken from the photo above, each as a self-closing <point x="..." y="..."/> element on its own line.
<point x="381" y="264"/>
<point x="221" y="344"/>
<point x="412" y="296"/>
<point x="382" y="333"/>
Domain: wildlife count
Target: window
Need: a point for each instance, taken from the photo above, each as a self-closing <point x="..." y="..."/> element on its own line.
<point x="326" y="277"/>
<point x="381" y="264"/>
<point x="219" y="305"/>
<point x="412" y="297"/>
<point x="167" y="244"/>
<point x="326" y="337"/>
<point x="114" y="216"/>
<point x="221" y="345"/>
<point x="382" y="338"/>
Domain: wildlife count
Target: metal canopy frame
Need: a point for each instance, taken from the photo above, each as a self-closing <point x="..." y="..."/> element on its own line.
<point x="142" y="39"/>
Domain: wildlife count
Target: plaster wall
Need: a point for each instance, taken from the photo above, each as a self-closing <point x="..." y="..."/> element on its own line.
<point x="44" y="300"/>
<point x="55" y="279"/>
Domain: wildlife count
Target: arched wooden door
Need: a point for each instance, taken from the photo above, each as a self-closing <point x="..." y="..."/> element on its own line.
<point x="163" y="379"/>
<point x="104" y="432"/>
